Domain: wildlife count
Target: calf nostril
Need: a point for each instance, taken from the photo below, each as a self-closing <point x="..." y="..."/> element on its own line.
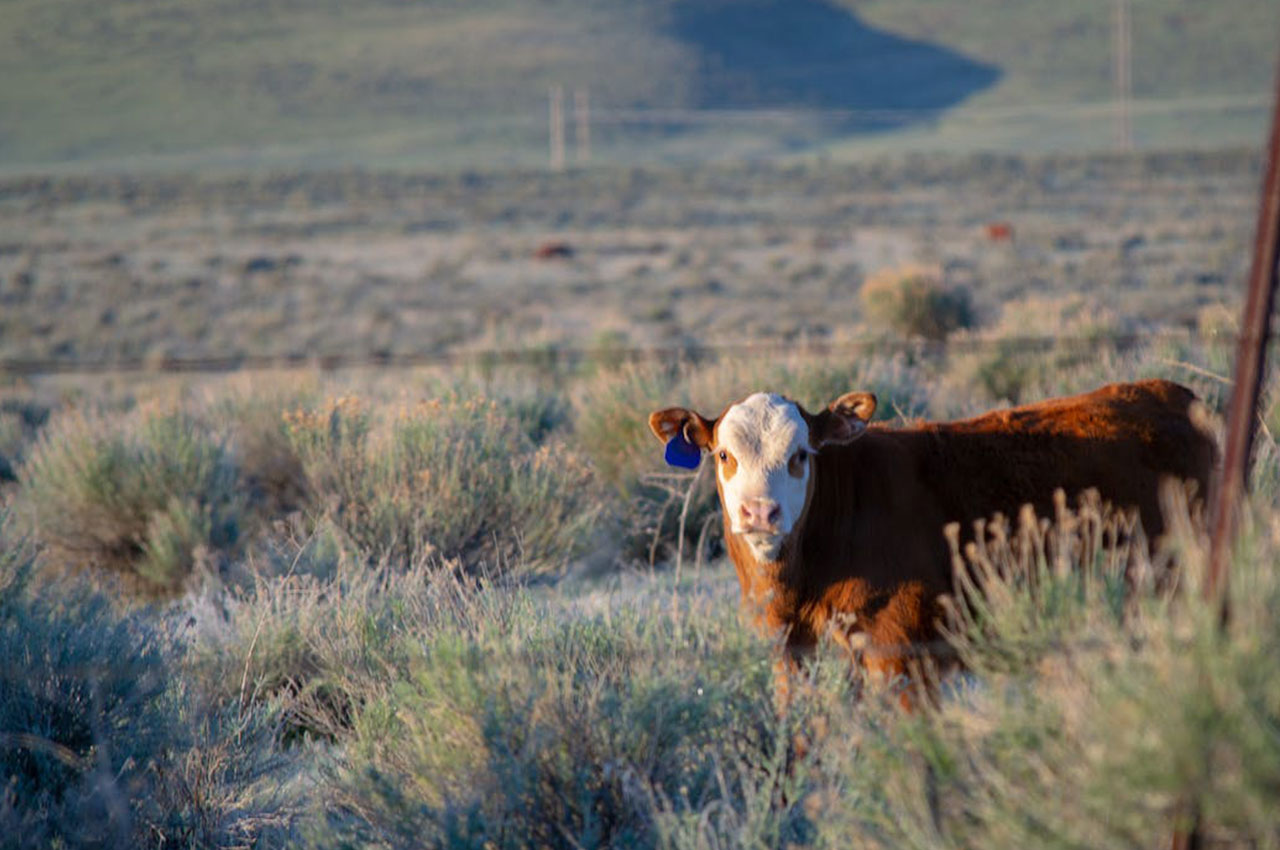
<point x="761" y="512"/>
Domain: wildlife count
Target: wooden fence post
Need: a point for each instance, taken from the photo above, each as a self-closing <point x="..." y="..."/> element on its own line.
<point x="556" y="128"/>
<point x="1242" y="415"/>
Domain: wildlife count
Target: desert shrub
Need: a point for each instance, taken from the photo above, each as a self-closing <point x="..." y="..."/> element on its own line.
<point x="500" y="725"/>
<point x="270" y="476"/>
<point x="316" y="618"/>
<point x="914" y="301"/>
<point x="20" y="420"/>
<point x="150" y="495"/>
<point x="453" y="477"/>
<point x="101" y="745"/>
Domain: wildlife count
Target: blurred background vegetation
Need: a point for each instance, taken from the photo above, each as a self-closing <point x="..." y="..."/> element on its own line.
<point x="329" y="515"/>
<point x="465" y="84"/>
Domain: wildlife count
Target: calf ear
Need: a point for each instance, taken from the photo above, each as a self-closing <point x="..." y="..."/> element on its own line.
<point x="685" y="433"/>
<point x="677" y="421"/>
<point x="844" y="420"/>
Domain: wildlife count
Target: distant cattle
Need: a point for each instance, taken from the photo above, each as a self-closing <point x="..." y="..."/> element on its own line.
<point x="554" y="251"/>
<point x="835" y="525"/>
<point x="999" y="231"/>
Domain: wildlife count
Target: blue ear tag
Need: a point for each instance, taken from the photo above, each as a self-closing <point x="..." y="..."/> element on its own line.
<point x="681" y="452"/>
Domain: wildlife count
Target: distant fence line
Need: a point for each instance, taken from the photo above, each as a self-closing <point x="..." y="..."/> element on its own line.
<point x="554" y="357"/>
<point x="1082" y="109"/>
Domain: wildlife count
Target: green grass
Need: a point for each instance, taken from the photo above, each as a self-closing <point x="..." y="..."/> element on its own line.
<point x="457" y="84"/>
<point x="1056" y="52"/>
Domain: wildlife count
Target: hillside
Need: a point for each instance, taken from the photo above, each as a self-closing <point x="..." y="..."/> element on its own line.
<point x="449" y="82"/>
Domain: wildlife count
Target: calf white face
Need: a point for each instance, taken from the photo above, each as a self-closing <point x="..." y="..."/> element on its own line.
<point x="763" y="448"/>
<point x="762" y="454"/>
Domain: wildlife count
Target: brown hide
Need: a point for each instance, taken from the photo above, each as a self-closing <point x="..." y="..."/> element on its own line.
<point x="867" y="561"/>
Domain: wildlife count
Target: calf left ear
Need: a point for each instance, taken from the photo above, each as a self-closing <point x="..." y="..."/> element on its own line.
<point x="844" y="420"/>
<point x="685" y="432"/>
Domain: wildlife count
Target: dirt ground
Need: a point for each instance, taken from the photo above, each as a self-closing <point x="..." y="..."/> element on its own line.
<point x="356" y="264"/>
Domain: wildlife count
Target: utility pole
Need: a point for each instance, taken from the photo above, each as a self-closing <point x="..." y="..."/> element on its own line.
<point x="556" y="129"/>
<point x="582" y="112"/>
<point x="1122" y="74"/>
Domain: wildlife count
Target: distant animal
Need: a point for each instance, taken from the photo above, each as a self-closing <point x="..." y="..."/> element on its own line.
<point x="554" y="251"/>
<point x="835" y="525"/>
<point x="999" y="231"/>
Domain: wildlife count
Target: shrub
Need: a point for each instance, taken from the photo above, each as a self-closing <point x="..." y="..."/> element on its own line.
<point x="500" y="725"/>
<point x="20" y="420"/>
<point x="913" y="301"/>
<point x="149" y="495"/>
<point x="449" y="478"/>
<point x="301" y="630"/>
<point x="100" y="743"/>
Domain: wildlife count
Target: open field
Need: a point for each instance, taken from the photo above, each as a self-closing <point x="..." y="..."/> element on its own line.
<point x="442" y="84"/>
<point x="452" y="605"/>
<point x="357" y="264"/>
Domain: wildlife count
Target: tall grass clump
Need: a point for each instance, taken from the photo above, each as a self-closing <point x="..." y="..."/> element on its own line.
<point x="101" y="742"/>
<point x="454" y="477"/>
<point x="20" y="420"/>
<point x="500" y="724"/>
<point x="151" y="495"/>
<point x="915" y="302"/>
<point x="292" y="639"/>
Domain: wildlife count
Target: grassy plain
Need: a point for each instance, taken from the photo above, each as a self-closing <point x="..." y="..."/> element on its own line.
<point x="201" y="83"/>
<point x="361" y="263"/>
<point x="454" y="605"/>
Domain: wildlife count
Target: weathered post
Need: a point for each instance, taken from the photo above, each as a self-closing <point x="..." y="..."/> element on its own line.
<point x="556" y="127"/>
<point x="1251" y="354"/>
<point x="1242" y="415"/>
<point x="582" y="114"/>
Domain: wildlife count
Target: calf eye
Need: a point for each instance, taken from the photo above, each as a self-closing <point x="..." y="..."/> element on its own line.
<point x="795" y="466"/>
<point x="723" y="455"/>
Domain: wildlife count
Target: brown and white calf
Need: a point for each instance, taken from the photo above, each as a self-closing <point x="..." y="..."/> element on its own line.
<point x="835" y="525"/>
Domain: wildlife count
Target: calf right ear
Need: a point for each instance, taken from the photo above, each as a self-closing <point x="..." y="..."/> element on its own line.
<point x="685" y="432"/>
<point x="844" y="420"/>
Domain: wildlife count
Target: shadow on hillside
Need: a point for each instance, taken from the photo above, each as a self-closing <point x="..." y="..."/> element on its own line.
<point x="809" y="53"/>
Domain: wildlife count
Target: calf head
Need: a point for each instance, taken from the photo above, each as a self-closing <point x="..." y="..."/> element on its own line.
<point x="764" y="448"/>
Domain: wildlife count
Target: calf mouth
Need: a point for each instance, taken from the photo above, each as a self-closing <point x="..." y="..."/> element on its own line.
<point x="765" y="545"/>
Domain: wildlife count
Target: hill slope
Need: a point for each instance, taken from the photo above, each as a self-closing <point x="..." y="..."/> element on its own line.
<point x="446" y="80"/>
